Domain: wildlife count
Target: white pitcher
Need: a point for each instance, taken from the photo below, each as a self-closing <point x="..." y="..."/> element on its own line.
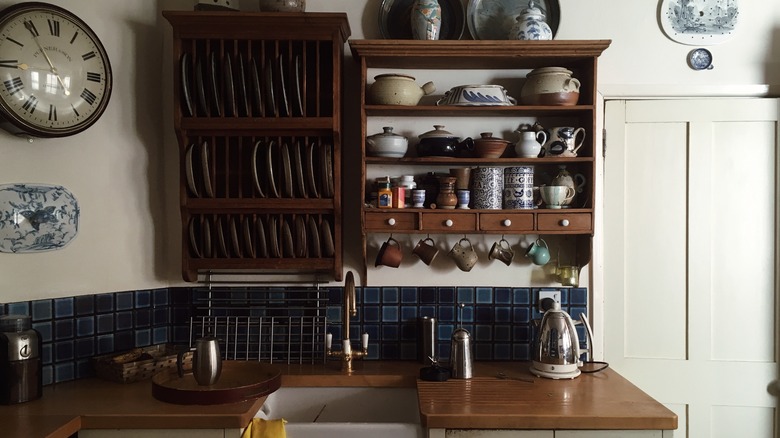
<point x="530" y="145"/>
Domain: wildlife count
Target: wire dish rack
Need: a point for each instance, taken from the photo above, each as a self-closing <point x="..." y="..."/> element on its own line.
<point x="264" y="323"/>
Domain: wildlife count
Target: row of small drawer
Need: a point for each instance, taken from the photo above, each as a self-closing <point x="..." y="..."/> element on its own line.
<point x="500" y="221"/>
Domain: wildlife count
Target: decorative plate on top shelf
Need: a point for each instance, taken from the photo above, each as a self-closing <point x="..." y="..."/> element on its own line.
<point x="395" y="19"/>
<point x="493" y="19"/>
<point x="36" y="217"/>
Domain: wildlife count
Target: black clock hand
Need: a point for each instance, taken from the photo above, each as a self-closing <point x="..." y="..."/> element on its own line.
<point x="29" y="26"/>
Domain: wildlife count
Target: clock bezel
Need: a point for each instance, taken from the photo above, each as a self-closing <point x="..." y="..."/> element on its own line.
<point x="9" y="120"/>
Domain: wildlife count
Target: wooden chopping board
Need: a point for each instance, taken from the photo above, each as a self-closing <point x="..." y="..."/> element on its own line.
<point x="239" y="381"/>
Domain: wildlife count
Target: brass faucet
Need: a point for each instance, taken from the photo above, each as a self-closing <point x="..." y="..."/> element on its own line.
<point x="350" y="309"/>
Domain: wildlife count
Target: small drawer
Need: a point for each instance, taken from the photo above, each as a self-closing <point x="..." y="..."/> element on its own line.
<point x="572" y="222"/>
<point x="449" y="221"/>
<point x="391" y="221"/>
<point x="506" y="222"/>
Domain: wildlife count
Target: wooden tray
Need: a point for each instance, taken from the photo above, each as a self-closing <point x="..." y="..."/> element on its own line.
<point x="141" y="364"/>
<point x="239" y="381"/>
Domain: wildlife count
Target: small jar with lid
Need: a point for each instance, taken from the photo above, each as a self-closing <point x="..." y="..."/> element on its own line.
<point x="384" y="193"/>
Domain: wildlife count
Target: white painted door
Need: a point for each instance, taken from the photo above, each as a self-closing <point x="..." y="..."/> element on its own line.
<point x="690" y="242"/>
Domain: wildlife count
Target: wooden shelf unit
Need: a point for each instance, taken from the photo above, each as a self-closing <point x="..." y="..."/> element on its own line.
<point x="513" y="58"/>
<point x="223" y="55"/>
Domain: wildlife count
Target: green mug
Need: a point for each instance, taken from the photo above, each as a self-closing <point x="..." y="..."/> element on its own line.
<point x="538" y="252"/>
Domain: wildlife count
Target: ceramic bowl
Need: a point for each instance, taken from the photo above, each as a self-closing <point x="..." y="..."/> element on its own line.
<point x="477" y="95"/>
<point x="489" y="147"/>
<point x="386" y="144"/>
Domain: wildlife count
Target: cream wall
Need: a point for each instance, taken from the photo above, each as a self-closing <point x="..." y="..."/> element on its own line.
<point x="123" y="169"/>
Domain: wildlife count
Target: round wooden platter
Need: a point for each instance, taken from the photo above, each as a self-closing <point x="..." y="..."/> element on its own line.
<point x="239" y="381"/>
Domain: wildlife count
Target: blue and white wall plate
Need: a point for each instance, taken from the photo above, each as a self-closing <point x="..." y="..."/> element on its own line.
<point x="700" y="59"/>
<point x="699" y="22"/>
<point x="36" y="217"/>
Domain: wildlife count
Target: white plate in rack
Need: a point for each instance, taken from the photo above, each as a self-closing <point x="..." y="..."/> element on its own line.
<point x="36" y="217"/>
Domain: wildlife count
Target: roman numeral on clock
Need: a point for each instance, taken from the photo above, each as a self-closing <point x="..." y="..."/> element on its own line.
<point x="31" y="27"/>
<point x="94" y="77"/>
<point x="54" y="27"/>
<point x="74" y="37"/>
<point x="30" y="104"/>
<point x="14" y="85"/>
<point x="52" y="113"/>
<point x="9" y="63"/>
<point x="88" y="96"/>
<point x="88" y="55"/>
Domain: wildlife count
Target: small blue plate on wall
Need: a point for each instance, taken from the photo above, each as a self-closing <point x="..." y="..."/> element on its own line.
<point x="36" y="217"/>
<point x="700" y="59"/>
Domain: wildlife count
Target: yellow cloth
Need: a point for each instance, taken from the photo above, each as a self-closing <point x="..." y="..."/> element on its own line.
<point x="260" y="428"/>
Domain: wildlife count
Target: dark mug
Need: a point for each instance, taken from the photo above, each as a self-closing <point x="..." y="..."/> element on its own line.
<point x="389" y="254"/>
<point x="426" y="250"/>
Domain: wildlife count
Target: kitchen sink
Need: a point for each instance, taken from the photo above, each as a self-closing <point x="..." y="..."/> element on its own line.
<point x="353" y="412"/>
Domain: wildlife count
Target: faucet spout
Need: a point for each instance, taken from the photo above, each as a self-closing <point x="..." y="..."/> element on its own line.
<point x="350" y="309"/>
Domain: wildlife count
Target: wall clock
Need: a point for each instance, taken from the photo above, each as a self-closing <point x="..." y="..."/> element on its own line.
<point x="55" y="76"/>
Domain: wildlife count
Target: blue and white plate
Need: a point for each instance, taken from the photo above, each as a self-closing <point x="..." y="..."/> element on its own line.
<point x="36" y="217"/>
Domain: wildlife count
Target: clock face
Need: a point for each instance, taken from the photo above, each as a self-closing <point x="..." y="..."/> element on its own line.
<point x="55" y="77"/>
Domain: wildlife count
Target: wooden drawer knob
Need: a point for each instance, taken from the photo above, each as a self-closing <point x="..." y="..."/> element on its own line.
<point x="391" y="221"/>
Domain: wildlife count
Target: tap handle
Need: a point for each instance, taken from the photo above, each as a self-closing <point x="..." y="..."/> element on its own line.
<point x="364" y="339"/>
<point x="346" y="348"/>
<point x="328" y="340"/>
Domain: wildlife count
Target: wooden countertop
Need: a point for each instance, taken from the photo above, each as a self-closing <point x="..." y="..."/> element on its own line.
<point x="593" y="401"/>
<point x="603" y="400"/>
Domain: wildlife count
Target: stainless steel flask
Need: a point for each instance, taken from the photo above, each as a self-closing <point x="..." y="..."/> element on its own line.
<point x="21" y="377"/>
<point x="461" y="360"/>
<point x="206" y="361"/>
<point x="426" y="340"/>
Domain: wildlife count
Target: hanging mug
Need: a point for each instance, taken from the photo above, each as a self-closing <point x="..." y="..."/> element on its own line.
<point x="426" y="250"/>
<point x="538" y="252"/>
<point x="465" y="257"/>
<point x="501" y="250"/>
<point x="389" y="254"/>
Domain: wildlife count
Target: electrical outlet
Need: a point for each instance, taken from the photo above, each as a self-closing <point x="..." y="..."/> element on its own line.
<point x="554" y="294"/>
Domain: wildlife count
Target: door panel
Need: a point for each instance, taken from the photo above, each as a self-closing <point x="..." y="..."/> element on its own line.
<point x="690" y="238"/>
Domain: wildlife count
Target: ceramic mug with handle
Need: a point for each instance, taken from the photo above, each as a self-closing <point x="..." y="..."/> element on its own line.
<point x="389" y="254"/>
<point x="557" y="196"/>
<point x="426" y="250"/>
<point x="563" y="141"/>
<point x="464" y="255"/>
<point x="538" y="252"/>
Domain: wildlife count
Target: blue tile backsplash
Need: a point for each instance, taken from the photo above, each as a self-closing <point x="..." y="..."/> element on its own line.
<point x="74" y="329"/>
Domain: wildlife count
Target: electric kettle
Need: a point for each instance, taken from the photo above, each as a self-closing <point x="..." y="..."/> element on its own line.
<point x="556" y="354"/>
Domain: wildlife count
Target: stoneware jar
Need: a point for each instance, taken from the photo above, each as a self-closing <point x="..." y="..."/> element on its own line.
<point x="426" y="20"/>
<point x="386" y="144"/>
<point x="283" y="5"/>
<point x="531" y="25"/>
<point x="550" y="86"/>
<point x="397" y="89"/>
<point x="519" y="187"/>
